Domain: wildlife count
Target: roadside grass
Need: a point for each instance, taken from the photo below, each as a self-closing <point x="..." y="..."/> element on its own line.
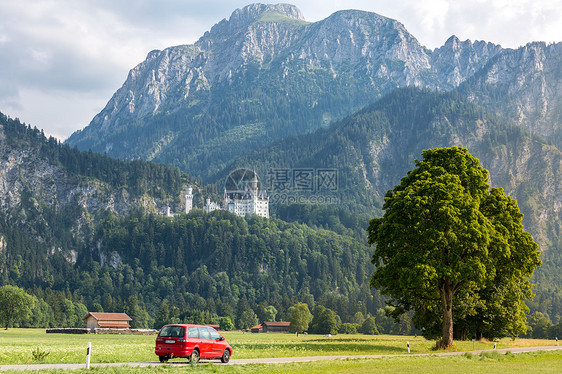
<point x="288" y="345"/>
<point x="487" y="362"/>
<point x="33" y="346"/>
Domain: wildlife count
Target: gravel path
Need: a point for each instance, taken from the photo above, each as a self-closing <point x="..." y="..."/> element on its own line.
<point x="279" y="360"/>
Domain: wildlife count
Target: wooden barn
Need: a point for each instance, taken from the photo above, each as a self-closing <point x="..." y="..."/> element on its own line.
<point x="107" y="320"/>
<point x="271" y="327"/>
<point x="276" y="326"/>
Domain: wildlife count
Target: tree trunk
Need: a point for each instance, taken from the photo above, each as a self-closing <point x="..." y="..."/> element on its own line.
<point x="446" y="291"/>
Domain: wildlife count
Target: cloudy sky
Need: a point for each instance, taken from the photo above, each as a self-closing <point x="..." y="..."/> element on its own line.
<point x="61" y="60"/>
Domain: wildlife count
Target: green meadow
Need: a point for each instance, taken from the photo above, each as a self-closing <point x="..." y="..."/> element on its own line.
<point x="489" y="363"/>
<point x="21" y="346"/>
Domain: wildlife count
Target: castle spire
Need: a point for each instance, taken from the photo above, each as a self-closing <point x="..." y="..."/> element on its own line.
<point x="188" y="199"/>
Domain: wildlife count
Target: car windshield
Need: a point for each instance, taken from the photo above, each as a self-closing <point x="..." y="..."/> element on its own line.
<point x="172" y="331"/>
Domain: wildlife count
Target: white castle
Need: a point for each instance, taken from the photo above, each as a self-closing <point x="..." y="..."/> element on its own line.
<point x="244" y="200"/>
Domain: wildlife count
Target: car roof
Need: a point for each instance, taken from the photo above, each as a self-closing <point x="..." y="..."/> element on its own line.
<point x="186" y="325"/>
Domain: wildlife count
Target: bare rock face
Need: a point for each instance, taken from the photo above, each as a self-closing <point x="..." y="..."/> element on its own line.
<point x="275" y="42"/>
<point x="271" y="48"/>
<point x="455" y="61"/>
<point x="524" y="85"/>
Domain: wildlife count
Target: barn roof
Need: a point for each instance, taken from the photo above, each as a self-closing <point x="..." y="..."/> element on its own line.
<point x="109" y="316"/>
<point x="277" y="324"/>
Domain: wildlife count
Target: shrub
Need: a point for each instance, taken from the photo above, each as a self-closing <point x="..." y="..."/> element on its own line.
<point x="349" y="328"/>
<point x="369" y="327"/>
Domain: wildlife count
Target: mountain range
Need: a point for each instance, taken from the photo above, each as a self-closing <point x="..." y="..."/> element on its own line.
<point x="265" y="74"/>
<point x="266" y="81"/>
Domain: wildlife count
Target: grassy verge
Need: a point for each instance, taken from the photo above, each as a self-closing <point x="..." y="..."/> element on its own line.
<point x="17" y="346"/>
<point x="488" y="362"/>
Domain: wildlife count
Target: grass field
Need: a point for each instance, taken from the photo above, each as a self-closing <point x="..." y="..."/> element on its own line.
<point x="489" y="363"/>
<point x="17" y="346"/>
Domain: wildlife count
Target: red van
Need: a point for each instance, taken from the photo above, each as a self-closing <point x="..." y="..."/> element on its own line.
<point x="193" y="342"/>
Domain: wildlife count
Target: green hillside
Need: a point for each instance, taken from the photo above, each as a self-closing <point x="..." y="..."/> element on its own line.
<point x="375" y="147"/>
<point x="74" y="255"/>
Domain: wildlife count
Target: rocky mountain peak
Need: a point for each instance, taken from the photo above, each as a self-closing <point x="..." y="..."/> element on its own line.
<point x="457" y="60"/>
<point x="240" y="19"/>
<point x="268" y="53"/>
<point x="253" y="12"/>
<point x="360" y="21"/>
<point x="453" y="43"/>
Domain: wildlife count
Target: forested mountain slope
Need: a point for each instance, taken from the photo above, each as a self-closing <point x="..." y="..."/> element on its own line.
<point x="375" y="147"/>
<point x="52" y="196"/>
<point x="80" y="230"/>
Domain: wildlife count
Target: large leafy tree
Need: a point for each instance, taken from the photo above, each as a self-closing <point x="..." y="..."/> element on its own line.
<point x="447" y="242"/>
<point x="15" y="305"/>
<point x="324" y="321"/>
<point x="300" y="317"/>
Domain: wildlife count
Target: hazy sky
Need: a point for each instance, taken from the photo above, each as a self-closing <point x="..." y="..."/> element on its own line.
<point x="61" y="60"/>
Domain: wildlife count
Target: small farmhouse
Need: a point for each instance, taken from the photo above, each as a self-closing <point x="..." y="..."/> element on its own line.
<point x="107" y="320"/>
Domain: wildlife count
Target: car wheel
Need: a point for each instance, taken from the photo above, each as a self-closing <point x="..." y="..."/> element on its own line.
<point x="225" y="356"/>
<point x="194" y="357"/>
<point x="163" y="358"/>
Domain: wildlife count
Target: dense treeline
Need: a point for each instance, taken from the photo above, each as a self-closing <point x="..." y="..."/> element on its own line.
<point x="197" y="267"/>
<point x="138" y="177"/>
<point x="211" y="268"/>
<point x="29" y="262"/>
<point x="213" y="262"/>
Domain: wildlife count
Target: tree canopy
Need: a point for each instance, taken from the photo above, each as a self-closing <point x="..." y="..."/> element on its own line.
<point x="15" y="305"/>
<point x="448" y="243"/>
<point x="300" y="317"/>
<point x="324" y="321"/>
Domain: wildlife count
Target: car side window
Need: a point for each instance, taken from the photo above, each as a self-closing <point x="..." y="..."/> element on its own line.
<point x="193" y="332"/>
<point x="214" y="334"/>
<point x="204" y="333"/>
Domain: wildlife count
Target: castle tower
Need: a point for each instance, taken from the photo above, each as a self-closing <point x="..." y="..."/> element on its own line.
<point x="254" y="185"/>
<point x="188" y="199"/>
